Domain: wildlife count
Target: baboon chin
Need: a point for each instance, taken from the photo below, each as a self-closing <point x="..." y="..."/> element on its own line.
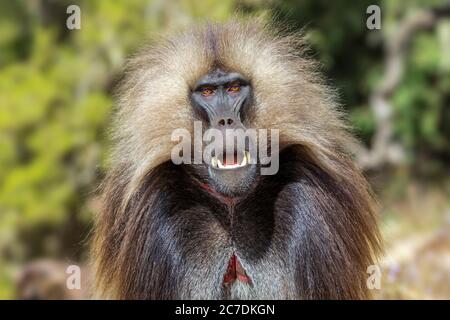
<point x="222" y="228"/>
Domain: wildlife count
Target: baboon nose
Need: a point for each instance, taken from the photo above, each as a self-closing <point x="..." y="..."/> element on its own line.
<point x="226" y="122"/>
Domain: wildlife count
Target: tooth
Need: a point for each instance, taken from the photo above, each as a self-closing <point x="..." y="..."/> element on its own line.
<point x="244" y="160"/>
<point x="219" y="163"/>
<point x="214" y="162"/>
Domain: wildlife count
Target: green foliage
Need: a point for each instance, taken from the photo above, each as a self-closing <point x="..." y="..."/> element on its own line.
<point x="55" y="98"/>
<point x="54" y="110"/>
<point x="421" y="105"/>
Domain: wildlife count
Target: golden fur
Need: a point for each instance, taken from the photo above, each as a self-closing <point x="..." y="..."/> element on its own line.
<point x="153" y="100"/>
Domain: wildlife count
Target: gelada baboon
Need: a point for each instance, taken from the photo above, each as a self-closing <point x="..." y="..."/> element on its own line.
<point x="195" y="231"/>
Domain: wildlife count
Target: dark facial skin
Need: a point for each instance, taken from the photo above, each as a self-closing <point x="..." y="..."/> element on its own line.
<point x="222" y="99"/>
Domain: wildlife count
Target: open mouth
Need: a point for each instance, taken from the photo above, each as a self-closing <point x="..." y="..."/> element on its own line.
<point x="234" y="164"/>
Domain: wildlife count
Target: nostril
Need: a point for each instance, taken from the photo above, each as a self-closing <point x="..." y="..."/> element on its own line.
<point x="222" y="122"/>
<point x="230" y="121"/>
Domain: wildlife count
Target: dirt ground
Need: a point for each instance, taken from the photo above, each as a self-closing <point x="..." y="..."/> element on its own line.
<point x="416" y="231"/>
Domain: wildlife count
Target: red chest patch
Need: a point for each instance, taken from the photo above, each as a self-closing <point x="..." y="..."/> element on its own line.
<point x="234" y="272"/>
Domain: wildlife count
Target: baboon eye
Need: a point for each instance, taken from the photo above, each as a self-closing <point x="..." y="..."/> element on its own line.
<point x="207" y="91"/>
<point x="234" y="87"/>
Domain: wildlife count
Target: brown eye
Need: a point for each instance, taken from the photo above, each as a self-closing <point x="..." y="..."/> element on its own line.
<point x="207" y="91"/>
<point x="235" y="87"/>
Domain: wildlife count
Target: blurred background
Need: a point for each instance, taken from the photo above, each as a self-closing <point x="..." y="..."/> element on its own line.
<point x="55" y="107"/>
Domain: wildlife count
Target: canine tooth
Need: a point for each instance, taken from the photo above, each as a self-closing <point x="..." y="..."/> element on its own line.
<point x="214" y="162"/>
<point x="220" y="165"/>
<point x="244" y="160"/>
<point x="247" y="156"/>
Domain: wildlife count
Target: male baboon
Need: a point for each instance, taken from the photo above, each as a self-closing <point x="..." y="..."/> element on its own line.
<point x="195" y="231"/>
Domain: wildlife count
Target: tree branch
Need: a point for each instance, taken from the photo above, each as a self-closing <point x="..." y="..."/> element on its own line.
<point x="384" y="149"/>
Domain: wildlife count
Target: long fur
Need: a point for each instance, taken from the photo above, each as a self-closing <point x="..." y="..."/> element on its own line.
<point x="327" y="234"/>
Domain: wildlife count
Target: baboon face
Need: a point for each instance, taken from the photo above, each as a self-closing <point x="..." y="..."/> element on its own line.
<point x="258" y="234"/>
<point x="222" y="100"/>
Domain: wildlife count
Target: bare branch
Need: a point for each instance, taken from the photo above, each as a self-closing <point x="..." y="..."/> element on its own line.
<point x="384" y="149"/>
